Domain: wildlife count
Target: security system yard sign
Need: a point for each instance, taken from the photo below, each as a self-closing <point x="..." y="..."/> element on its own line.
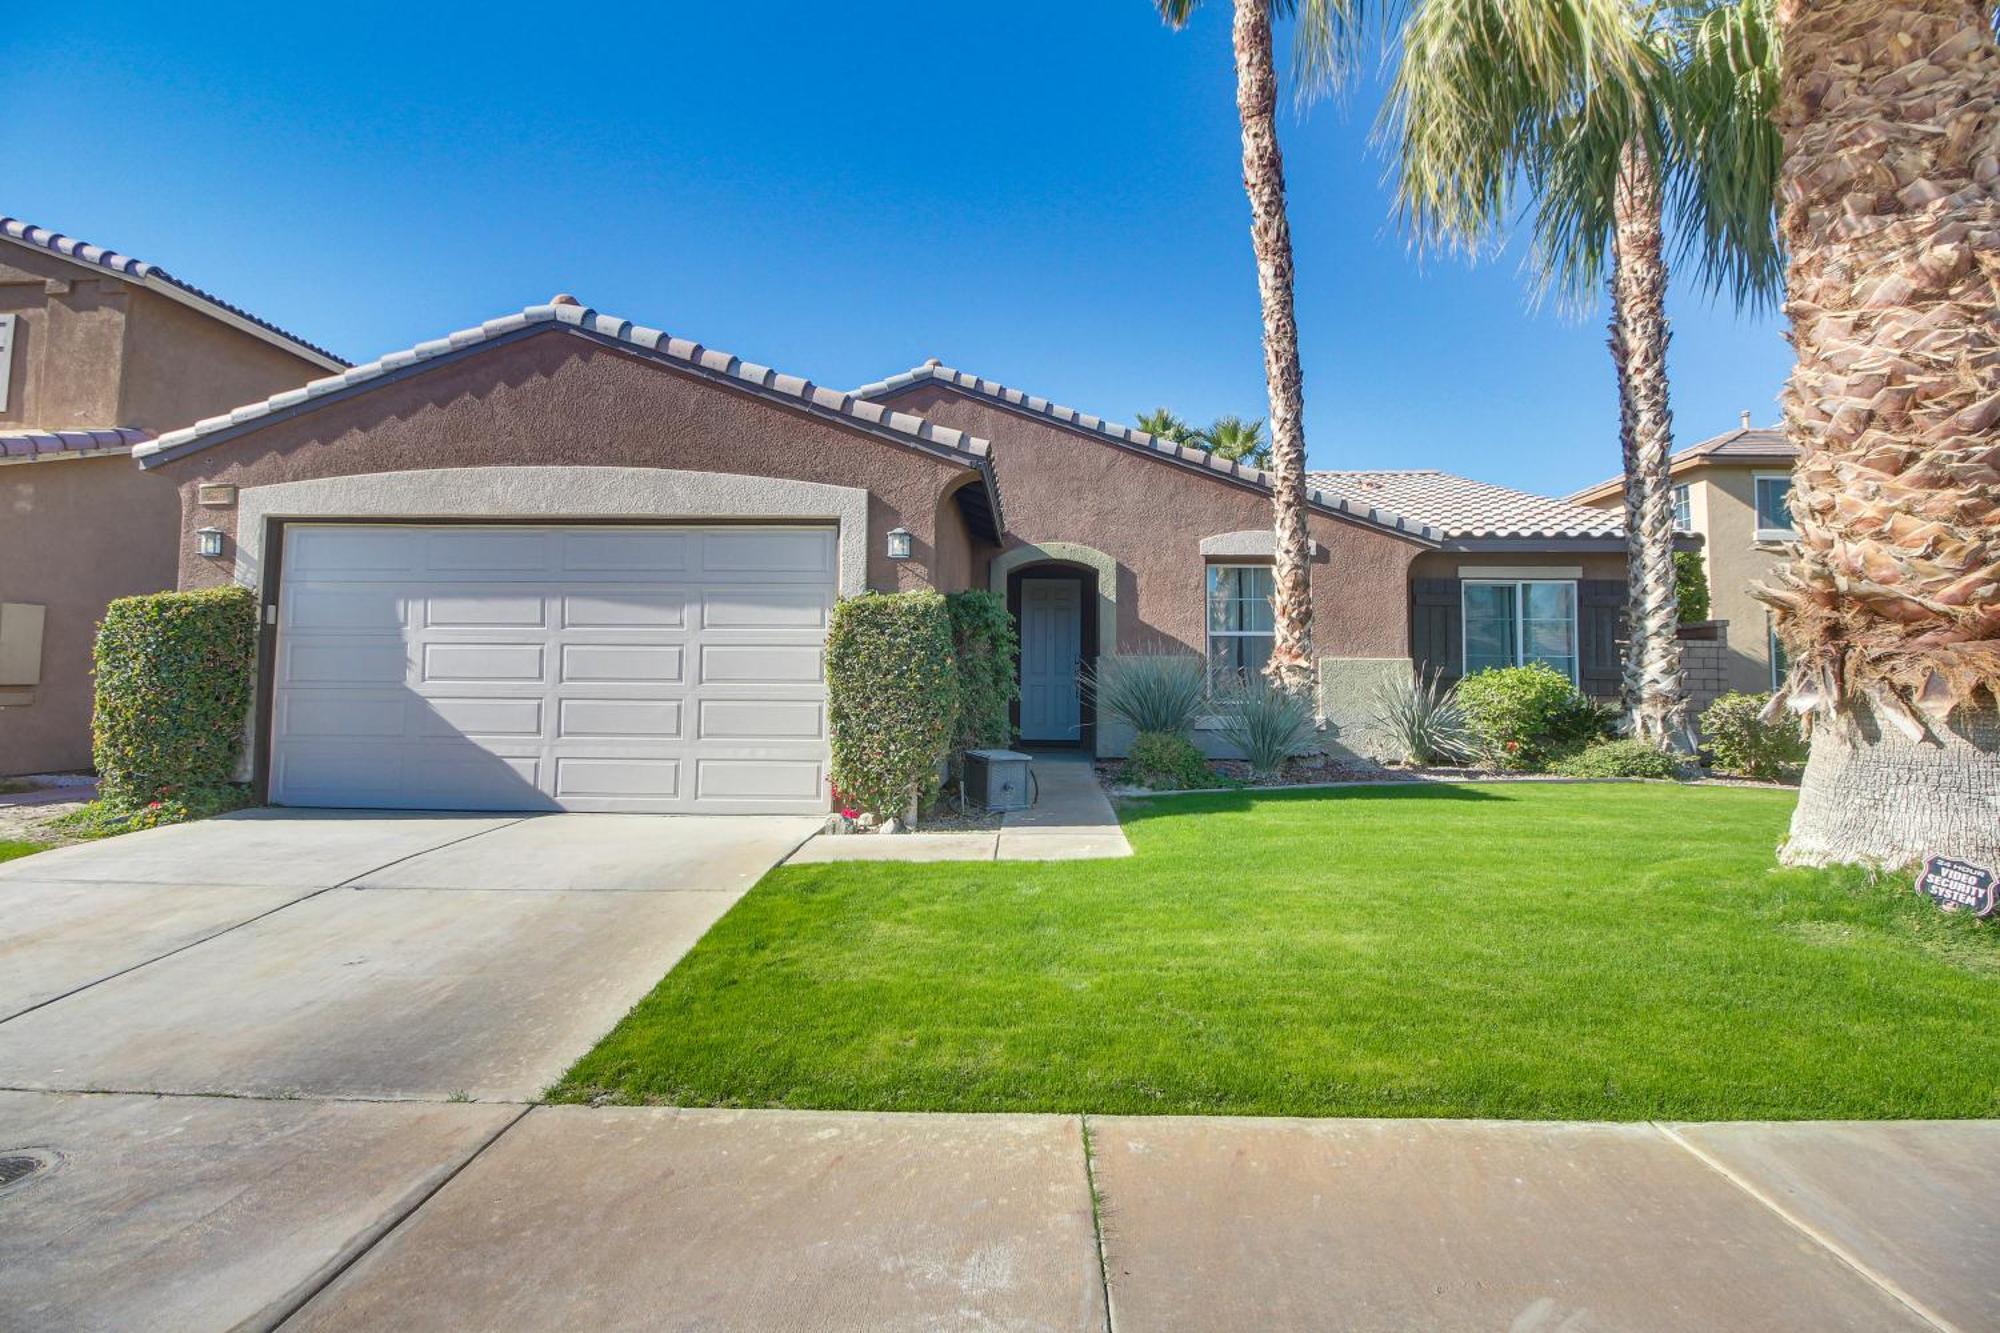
<point x="1960" y="886"/>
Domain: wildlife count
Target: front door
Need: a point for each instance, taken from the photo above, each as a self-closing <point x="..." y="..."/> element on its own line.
<point x="1051" y="649"/>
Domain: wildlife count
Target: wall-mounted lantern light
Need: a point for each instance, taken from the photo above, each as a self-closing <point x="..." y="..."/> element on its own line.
<point x="210" y="542"/>
<point x="899" y="543"/>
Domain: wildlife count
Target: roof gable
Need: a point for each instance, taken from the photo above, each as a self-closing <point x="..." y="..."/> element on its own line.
<point x="156" y="279"/>
<point x="1744" y="445"/>
<point x="1132" y="438"/>
<point x="610" y="330"/>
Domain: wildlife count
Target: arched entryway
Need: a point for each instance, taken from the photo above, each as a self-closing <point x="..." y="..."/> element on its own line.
<point x="1054" y="603"/>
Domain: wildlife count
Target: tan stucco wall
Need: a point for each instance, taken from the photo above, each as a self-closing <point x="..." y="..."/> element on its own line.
<point x="73" y="535"/>
<point x="1150" y="516"/>
<point x="1722" y="501"/>
<point x="68" y="344"/>
<point x="93" y="350"/>
<point x="555" y="399"/>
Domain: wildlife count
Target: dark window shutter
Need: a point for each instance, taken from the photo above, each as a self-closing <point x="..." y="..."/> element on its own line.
<point x="1436" y="627"/>
<point x="1601" y="627"/>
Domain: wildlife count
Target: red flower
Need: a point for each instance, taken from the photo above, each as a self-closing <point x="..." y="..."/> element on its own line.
<point x="153" y="805"/>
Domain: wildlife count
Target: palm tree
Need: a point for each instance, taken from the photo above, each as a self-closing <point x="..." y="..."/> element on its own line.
<point x="1890" y="614"/>
<point x="1167" y="426"/>
<point x="1612" y="118"/>
<point x="1238" y="439"/>
<point x="1319" y="24"/>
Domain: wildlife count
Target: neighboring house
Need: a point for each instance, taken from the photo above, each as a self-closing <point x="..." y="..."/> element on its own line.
<point x="1732" y="491"/>
<point x="565" y="561"/>
<point x="98" y="352"/>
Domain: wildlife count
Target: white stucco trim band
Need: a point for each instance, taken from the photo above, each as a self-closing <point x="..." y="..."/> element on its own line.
<point x="1255" y="543"/>
<point x="552" y="494"/>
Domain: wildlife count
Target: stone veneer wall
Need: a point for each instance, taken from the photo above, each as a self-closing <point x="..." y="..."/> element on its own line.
<point x="1705" y="664"/>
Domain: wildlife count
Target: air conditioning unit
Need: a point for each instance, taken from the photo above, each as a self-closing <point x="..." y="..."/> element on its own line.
<point x="997" y="779"/>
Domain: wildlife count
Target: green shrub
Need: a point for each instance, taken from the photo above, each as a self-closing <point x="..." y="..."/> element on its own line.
<point x="1690" y="586"/>
<point x="1744" y="745"/>
<point x="1163" y="692"/>
<point x="1628" y="758"/>
<point x="985" y="641"/>
<point x="1166" y="761"/>
<point x="107" y="816"/>
<point x="1268" y="725"/>
<point x="173" y="688"/>
<point x="1420" y="716"/>
<point x="1524" y="718"/>
<point x="892" y="698"/>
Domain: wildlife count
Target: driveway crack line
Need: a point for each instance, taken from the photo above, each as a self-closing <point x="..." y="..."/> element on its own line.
<point x="1881" y="1282"/>
<point x="1096" y="1215"/>
<point x="281" y="1311"/>
<point x="248" y="920"/>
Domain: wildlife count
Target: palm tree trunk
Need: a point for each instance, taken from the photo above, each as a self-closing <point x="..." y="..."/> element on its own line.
<point x="1292" y="667"/>
<point x="1890" y="111"/>
<point x="1655" y="707"/>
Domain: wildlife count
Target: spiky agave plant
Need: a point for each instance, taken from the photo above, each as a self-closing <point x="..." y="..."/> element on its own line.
<point x="1420" y="716"/>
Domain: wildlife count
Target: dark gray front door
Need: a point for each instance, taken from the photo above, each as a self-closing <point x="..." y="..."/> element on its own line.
<point x="1051" y="646"/>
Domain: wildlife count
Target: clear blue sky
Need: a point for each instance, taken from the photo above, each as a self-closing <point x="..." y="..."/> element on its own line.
<point x="1046" y="193"/>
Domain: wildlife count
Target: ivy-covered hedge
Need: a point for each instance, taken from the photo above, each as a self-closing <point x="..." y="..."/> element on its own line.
<point x="892" y="698"/>
<point x="985" y="641"/>
<point x="173" y="686"/>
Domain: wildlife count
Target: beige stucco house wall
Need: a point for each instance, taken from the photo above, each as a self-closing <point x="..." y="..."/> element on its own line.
<point x="1721" y="479"/>
<point x="91" y="349"/>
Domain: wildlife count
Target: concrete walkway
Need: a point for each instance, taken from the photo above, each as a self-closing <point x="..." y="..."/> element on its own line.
<point x="198" y="1213"/>
<point x="1071" y="820"/>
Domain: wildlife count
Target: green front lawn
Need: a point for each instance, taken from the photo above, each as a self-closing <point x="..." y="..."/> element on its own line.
<point x="1605" y="951"/>
<point x="9" y="849"/>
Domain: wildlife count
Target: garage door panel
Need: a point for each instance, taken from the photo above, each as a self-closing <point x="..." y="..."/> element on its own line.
<point x="658" y="555"/>
<point x="634" y="669"/>
<point x="761" y="663"/>
<point x="765" y="608"/>
<point x="618" y="777"/>
<point x="344" y="662"/>
<point x="613" y="718"/>
<point x="515" y="662"/>
<point x="482" y="718"/>
<point x="659" y="664"/>
<point x="486" y="610"/>
<point x="625" y="609"/>
<point x="761" y="720"/>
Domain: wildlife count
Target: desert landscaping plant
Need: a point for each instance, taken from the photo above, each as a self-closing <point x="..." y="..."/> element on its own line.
<point x="1267" y="725"/>
<point x="173" y="674"/>
<point x="1419" y="715"/>
<point x="1524" y="718"/>
<point x="892" y="698"/>
<point x="1162" y="692"/>
<point x="1166" y="761"/>
<point x="1745" y="744"/>
<point x="1626" y="758"/>
<point x="1691" y="586"/>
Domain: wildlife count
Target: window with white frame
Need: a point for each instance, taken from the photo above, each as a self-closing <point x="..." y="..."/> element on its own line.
<point x="1777" y="650"/>
<point x="6" y="358"/>
<point x="1515" y="622"/>
<point x="1240" y="630"/>
<point x="1774" y="516"/>
<point x="1683" y="508"/>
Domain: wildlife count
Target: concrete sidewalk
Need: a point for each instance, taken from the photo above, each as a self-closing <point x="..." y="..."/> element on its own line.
<point x="1071" y="820"/>
<point x="194" y="1212"/>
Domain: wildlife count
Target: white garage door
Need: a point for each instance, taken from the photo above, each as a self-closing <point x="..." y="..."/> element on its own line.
<point x="613" y="668"/>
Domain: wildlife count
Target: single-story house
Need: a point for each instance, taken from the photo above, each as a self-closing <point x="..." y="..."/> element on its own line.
<point x="98" y="352"/>
<point x="563" y="560"/>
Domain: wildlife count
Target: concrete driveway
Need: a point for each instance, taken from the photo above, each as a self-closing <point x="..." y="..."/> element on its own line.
<point x="339" y="954"/>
